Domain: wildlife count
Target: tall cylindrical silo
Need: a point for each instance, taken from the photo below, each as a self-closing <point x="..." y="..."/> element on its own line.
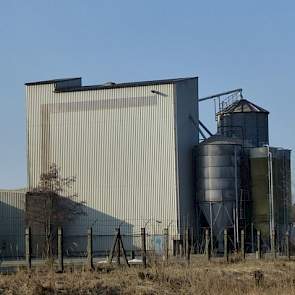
<point x="218" y="184"/>
<point x="270" y="190"/>
<point x="246" y="121"/>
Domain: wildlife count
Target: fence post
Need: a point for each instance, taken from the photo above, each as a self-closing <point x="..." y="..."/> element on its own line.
<point x="180" y="247"/>
<point x="188" y="244"/>
<point x="287" y="237"/>
<point x="207" y="244"/>
<point x="192" y="237"/>
<point x="118" y="247"/>
<point x="28" y="248"/>
<point x="166" y="243"/>
<point x="60" y="253"/>
<point x="185" y="242"/>
<point x="258" y="253"/>
<point x="252" y="237"/>
<point x="225" y="245"/>
<point x="89" y="249"/>
<point x="174" y="251"/>
<point x="243" y="243"/>
<point x="273" y="244"/>
<point x="143" y="246"/>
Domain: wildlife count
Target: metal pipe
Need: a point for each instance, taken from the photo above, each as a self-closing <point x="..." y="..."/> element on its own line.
<point x="239" y="90"/>
<point x="269" y="197"/>
<point x="235" y="228"/>
<point x="271" y="187"/>
<point x="207" y="248"/>
<point x="270" y="192"/>
<point x="202" y="134"/>
<point x="237" y="199"/>
<point x="211" y="228"/>
<point x="197" y="126"/>
<point x="205" y="128"/>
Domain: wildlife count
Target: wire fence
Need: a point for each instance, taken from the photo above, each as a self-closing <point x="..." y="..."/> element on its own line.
<point x="168" y="243"/>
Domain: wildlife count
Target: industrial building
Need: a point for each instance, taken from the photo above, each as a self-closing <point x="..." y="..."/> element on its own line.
<point x="129" y="146"/>
<point x="135" y="151"/>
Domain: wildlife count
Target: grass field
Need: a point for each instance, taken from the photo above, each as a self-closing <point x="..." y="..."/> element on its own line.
<point x="201" y="277"/>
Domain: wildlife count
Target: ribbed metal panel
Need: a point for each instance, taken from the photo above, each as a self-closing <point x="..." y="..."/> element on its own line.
<point x="252" y="128"/>
<point x="218" y="170"/>
<point x="216" y="183"/>
<point x="216" y="161"/>
<point x="214" y="195"/>
<point x="222" y="172"/>
<point x="12" y="215"/>
<point x="120" y="143"/>
<point x="216" y="150"/>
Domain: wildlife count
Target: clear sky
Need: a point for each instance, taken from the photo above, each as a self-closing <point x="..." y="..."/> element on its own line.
<point x="228" y="44"/>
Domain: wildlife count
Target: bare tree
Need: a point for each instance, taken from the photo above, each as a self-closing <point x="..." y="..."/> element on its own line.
<point x="50" y="205"/>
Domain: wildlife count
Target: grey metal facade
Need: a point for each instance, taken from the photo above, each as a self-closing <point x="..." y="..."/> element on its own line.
<point x="129" y="146"/>
<point x="12" y="223"/>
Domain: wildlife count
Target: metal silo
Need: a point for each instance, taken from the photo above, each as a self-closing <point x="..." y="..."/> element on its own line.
<point x="270" y="190"/>
<point x="218" y="185"/>
<point x="246" y="121"/>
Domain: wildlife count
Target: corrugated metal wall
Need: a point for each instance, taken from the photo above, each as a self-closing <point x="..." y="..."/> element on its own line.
<point x="252" y="127"/>
<point x="12" y="216"/>
<point x="121" y="144"/>
<point x="111" y="148"/>
<point x="187" y="137"/>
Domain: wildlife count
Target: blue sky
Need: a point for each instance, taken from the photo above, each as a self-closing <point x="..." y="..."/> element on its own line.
<point x="228" y="44"/>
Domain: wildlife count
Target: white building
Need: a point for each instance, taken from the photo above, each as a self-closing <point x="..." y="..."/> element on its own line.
<point x="129" y="146"/>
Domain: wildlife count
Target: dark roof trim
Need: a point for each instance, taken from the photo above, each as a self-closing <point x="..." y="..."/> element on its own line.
<point x="261" y="110"/>
<point x="123" y="85"/>
<point x="51" y="81"/>
<point x="233" y="108"/>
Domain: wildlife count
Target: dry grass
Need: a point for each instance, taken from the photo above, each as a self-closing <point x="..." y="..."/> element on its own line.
<point x="198" y="278"/>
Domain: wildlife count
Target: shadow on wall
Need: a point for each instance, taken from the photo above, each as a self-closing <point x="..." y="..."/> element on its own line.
<point x="13" y="223"/>
<point x="12" y="231"/>
<point x="75" y="219"/>
<point x="104" y="232"/>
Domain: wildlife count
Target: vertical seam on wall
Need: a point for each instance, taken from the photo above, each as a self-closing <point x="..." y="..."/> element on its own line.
<point x="27" y="137"/>
<point x="176" y="157"/>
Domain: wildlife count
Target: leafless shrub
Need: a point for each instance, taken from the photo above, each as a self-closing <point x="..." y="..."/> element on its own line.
<point x="51" y="204"/>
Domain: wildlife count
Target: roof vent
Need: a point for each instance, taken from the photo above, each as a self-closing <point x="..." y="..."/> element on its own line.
<point x="109" y="83"/>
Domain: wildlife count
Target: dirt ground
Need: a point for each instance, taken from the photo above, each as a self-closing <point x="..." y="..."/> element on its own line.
<point x="200" y="277"/>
